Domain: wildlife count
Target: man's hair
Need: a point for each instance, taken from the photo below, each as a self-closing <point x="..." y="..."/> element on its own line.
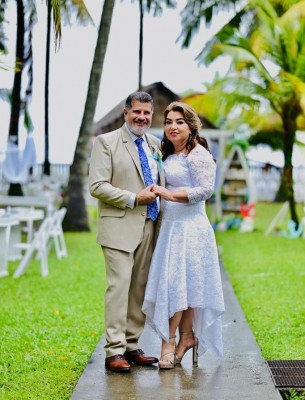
<point x="142" y="97"/>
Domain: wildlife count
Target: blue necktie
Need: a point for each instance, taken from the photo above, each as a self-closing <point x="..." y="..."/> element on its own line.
<point x="152" y="209"/>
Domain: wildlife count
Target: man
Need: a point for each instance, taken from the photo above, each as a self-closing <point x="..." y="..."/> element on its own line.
<point x="123" y="170"/>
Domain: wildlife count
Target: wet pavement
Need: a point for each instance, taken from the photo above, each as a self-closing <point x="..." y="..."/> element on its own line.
<point x="242" y="374"/>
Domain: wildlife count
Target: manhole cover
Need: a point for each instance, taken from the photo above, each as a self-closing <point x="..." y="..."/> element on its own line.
<point x="287" y="373"/>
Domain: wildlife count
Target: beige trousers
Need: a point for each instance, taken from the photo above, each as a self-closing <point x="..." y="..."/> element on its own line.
<point x="126" y="275"/>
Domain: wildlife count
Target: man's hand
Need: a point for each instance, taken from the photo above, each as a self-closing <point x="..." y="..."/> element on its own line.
<point x="146" y="196"/>
<point x="164" y="193"/>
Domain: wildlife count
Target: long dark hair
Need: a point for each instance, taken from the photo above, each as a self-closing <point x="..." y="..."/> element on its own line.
<point x="194" y="123"/>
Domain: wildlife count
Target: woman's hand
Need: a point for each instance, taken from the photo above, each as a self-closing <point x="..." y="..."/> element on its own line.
<point x="162" y="192"/>
<point x="178" y="196"/>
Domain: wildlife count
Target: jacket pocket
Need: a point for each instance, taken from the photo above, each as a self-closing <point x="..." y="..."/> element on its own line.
<point x="112" y="212"/>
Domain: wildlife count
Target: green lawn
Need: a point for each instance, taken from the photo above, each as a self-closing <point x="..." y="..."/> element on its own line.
<point x="268" y="276"/>
<point x="50" y="326"/>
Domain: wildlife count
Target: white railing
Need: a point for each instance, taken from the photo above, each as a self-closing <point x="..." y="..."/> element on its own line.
<point x="57" y="172"/>
<point x="267" y="180"/>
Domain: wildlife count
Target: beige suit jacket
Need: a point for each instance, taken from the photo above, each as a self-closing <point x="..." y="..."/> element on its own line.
<point x="115" y="173"/>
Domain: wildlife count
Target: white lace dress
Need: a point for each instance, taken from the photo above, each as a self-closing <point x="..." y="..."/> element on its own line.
<point x="185" y="268"/>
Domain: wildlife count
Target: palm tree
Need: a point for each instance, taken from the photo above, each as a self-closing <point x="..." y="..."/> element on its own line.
<point x="197" y="11"/>
<point x="147" y="6"/>
<point x="26" y="18"/>
<point x="76" y="218"/>
<point x="2" y="33"/>
<point x="25" y="21"/>
<point x="253" y="84"/>
<point x="67" y="8"/>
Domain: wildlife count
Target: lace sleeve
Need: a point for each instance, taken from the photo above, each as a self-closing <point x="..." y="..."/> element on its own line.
<point x="202" y="168"/>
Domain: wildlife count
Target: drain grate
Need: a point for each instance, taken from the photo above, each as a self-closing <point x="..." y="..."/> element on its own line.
<point x="287" y="373"/>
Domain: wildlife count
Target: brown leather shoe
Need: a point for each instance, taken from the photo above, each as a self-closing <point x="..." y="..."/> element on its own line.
<point x="138" y="357"/>
<point x="117" y="363"/>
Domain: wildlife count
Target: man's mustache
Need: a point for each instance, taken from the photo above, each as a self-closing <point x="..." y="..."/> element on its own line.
<point x="140" y="120"/>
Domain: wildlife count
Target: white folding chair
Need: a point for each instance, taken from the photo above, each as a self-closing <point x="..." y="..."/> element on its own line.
<point x="39" y="246"/>
<point x="57" y="233"/>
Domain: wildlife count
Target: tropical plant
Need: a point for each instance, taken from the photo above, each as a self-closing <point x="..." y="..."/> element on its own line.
<point x="242" y="16"/>
<point x="19" y="99"/>
<point x="57" y="11"/>
<point x="77" y="218"/>
<point x="267" y="74"/>
<point x="25" y="20"/>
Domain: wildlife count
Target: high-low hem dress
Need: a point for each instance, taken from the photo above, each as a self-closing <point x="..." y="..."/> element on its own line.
<point x="185" y="271"/>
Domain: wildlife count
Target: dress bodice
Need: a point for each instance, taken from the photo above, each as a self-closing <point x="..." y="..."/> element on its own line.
<point x="194" y="172"/>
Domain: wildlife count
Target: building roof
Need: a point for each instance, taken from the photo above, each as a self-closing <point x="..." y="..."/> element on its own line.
<point x="162" y="96"/>
<point x="114" y="119"/>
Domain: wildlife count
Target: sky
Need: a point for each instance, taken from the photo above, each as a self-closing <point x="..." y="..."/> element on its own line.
<point x="163" y="60"/>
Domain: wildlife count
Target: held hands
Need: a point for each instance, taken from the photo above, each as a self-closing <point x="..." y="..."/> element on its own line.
<point x="146" y="196"/>
<point x="162" y="192"/>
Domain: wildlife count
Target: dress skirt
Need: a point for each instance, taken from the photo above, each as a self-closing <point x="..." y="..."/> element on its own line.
<point x="185" y="273"/>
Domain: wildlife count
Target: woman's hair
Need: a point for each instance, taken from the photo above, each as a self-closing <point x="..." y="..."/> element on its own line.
<point x="194" y="123"/>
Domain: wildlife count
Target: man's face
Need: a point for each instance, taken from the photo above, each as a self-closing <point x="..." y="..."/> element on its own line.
<point x="138" y="118"/>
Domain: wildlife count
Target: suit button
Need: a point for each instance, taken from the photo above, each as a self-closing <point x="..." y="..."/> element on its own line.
<point x="143" y="213"/>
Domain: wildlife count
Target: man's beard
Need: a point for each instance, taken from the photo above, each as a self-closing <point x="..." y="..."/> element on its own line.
<point x="137" y="131"/>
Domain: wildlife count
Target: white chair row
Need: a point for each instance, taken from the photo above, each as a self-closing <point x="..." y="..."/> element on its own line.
<point x="49" y="232"/>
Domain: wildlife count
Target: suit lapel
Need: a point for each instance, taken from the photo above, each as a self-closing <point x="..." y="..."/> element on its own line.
<point x="130" y="146"/>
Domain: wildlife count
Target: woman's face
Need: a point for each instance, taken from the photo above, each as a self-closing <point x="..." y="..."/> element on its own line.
<point x="176" y="129"/>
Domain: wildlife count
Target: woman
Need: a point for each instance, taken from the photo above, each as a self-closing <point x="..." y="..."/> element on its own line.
<point x="184" y="289"/>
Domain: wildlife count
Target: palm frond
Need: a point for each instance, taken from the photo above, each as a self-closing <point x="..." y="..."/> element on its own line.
<point x="271" y="137"/>
<point x="239" y="50"/>
<point x="156" y="6"/>
<point x="197" y="11"/>
<point x="2" y="21"/>
<point x="78" y="8"/>
<point x="5" y="95"/>
<point x="294" y="12"/>
<point x="57" y="21"/>
<point x="251" y="92"/>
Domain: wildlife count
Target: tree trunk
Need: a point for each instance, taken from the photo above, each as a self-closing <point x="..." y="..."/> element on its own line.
<point x="286" y="191"/>
<point x="140" y="84"/>
<point x="46" y="165"/>
<point x="77" y="218"/>
<point x="15" y="189"/>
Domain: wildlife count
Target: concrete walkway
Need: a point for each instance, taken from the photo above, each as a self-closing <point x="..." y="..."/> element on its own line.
<point x="241" y="375"/>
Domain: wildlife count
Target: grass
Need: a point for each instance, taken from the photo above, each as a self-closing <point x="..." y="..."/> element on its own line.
<point x="50" y="326"/>
<point x="268" y="277"/>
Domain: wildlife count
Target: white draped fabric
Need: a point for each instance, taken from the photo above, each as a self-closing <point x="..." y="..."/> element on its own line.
<point x="16" y="164"/>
